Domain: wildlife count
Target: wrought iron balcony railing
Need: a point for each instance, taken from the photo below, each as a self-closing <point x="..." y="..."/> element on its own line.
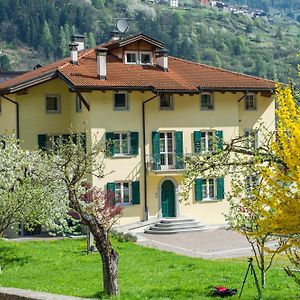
<point x="166" y="162"/>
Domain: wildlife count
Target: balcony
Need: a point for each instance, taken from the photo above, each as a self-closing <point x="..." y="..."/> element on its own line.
<point x="166" y="163"/>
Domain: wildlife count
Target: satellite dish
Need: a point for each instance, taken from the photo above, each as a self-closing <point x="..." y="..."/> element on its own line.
<point x="122" y="25"/>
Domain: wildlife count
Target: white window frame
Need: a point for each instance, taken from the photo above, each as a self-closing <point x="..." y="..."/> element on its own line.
<point x="78" y="104"/>
<point x="58" y="103"/>
<point x="253" y="138"/>
<point x="50" y="144"/>
<point x="147" y="53"/>
<point x="206" y="139"/>
<point x="120" y="143"/>
<point x="136" y="53"/>
<point x="122" y="192"/>
<point x="251" y="182"/>
<point x="206" y="184"/>
<point x="253" y="101"/>
<point x="212" y="102"/>
<point x="171" y="107"/>
<point x="166" y="153"/>
<point x="126" y="107"/>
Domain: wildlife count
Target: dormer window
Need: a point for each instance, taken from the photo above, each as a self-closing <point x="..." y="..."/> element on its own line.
<point x="138" y="58"/>
<point x="131" y="57"/>
<point x="146" y="58"/>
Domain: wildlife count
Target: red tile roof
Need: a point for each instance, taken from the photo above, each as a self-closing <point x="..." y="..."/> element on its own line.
<point x="183" y="75"/>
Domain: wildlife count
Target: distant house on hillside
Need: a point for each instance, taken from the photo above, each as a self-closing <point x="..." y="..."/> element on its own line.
<point x="174" y="3"/>
<point x="205" y="2"/>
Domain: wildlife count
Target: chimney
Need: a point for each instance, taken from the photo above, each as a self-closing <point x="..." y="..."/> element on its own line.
<point x="162" y="59"/>
<point x="115" y="35"/>
<point x="79" y="39"/>
<point x="73" y="52"/>
<point x="101" y="63"/>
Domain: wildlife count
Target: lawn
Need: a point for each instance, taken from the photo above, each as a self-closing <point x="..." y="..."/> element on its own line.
<point x="63" y="267"/>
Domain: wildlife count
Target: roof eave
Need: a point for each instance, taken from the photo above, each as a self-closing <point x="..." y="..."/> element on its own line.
<point x="28" y="83"/>
<point x="238" y="89"/>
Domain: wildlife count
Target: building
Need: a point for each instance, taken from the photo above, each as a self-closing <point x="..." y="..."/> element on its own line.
<point x="205" y="2"/>
<point x="174" y="3"/>
<point x="157" y="109"/>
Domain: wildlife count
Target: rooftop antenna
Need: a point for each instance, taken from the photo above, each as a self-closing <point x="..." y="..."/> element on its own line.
<point x="122" y="26"/>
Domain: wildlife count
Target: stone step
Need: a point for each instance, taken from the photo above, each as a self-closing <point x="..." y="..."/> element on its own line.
<point x="174" y="225"/>
<point x="172" y="231"/>
<point x="176" y="220"/>
<point x="158" y="228"/>
<point x="183" y="224"/>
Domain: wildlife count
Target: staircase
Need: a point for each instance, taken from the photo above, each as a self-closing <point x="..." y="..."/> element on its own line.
<point x="175" y="225"/>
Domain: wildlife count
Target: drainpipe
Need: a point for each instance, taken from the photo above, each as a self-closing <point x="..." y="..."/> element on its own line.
<point x="17" y="117"/>
<point x="146" y="210"/>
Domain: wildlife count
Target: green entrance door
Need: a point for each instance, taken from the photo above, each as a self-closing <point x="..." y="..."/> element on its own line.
<point x="168" y="199"/>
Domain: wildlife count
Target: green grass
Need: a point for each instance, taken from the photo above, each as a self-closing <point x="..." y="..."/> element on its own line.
<point x="63" y="267"/>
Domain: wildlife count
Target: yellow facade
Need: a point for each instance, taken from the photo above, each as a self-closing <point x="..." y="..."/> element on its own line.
<point x="228" y="115"/>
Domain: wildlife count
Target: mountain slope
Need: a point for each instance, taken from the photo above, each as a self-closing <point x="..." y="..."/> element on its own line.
<point x="261" y="46"/>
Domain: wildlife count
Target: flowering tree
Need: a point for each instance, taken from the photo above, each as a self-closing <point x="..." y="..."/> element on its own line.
<point x="71" y="165"/>
<point x="25" y="195"/>
<point x="274" y="209"/>
<point x="244" y="216"/>
<point x="282" y="186"/>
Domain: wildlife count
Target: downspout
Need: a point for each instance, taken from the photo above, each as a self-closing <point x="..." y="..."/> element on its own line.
<point x="17" y="115"/>
<point x="146" y="210"/>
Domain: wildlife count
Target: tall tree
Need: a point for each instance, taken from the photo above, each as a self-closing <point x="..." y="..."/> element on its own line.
<point x="25" y="195"/>
<point x="71" y="163"/>
<point x="47" y="41"/>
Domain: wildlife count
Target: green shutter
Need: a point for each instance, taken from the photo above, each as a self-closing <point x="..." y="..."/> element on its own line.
<point x="179" y="149"/>
<point x="220" y="188"/>
<point x="197" y="141"/>
<point x="110" y="189"/>
<point x="134" y="143"/>
<point x="110" y="147"/>
<point x="198" y="189"/>
<point x="42" y="141"/>
<point x="219" y="136"/>
<point x="156" y="150"/>
<point x="65" y="138"/>
<point x="135" y="185"/>
<point x="82" y="139"/>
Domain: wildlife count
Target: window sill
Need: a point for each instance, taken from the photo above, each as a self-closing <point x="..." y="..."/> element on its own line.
<point x="53" y="111"/>
<point x="123" y="156"/>
<point x="211" y="200"/>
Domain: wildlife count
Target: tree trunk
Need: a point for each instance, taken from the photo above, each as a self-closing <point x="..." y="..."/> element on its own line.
<point x="262" y="265"/>
<point x="110" y="272"/>
<point x="110" y="259"/>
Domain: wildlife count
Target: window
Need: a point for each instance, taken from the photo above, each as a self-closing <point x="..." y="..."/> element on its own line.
<point x="209" y="188"/>
<point x="207" y="102"/>
<point x="120" y="101"/>
<point x="166" y="101"/>
<point x="122" y="192"/>
<point x="78" y="104"/>
<point x="131" y="58"/>
<point x="252" y="183"/>
<point x="250" y="102"/>
<point x="167" y="151"/>
<point x="251" y="138"/>
<point x="207" y="141"/>
<point x="50" y="141"/>
<point x="146" y="58"/>
<point x="122" y="144"/>
<point x="52" y="104"/>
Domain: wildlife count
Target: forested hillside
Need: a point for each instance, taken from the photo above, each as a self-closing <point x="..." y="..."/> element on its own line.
<point x="268" y="5"/>
<point x="34" y="32"/>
